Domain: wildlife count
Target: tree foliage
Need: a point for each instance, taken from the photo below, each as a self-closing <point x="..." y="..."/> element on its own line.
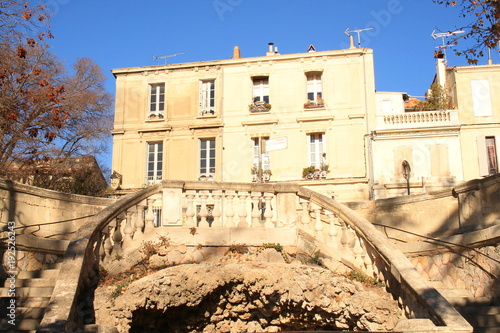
<point x="45" y="112"/>
<point x="483" y="29"/>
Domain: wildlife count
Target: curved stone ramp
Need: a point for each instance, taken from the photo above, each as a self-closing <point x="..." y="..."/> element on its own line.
<point x="416" y="296"/>
<point x="236" y="295"/>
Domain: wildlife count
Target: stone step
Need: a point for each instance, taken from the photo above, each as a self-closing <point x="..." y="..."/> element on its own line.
<point x="28" y="292"/>
<point x="35" y="282"/>
<point x="33" y="302"/>
<point x="459" y="302"/>
<point x="479" y="310"/>
<point x="30" y="313"/>
<point x="46" y="273"/>
<point x="20" y="325"/>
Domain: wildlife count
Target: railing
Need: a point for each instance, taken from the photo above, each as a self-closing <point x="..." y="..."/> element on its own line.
<point x="418" y="119"/>
<point x="336" y="230"/>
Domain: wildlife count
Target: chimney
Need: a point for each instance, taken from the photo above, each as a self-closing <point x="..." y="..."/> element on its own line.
<point x="236" y="53"/>
<point x="273" y="50"/>
<point x="351" y="42"/>
<point x="441" y="72"/>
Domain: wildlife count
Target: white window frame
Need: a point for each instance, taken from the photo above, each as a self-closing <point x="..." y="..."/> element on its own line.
<point x="154" y="162"/>
<point x="314" y="86"/>
<point x="156" y="99"/>
<point x="264" y="154"/>
<point x="316" y="149"/>
<point x="207" y="97"/>
<point x="207" y="157"/>
<point x="488" y="160"/>
<point x="261" y="89"/>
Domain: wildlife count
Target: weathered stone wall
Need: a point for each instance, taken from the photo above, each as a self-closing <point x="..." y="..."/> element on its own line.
<point x="45" y="213"/>
<point x="470" y="206"/>
<point x="43" y="222"/>
<point x="475" y="271"/>
<point x="245" y="297"/>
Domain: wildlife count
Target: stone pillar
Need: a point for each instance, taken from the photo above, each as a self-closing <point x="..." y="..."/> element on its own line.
<point x="172" y="205"/>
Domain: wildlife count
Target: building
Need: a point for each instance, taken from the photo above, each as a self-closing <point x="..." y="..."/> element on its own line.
<point x="452" y="142"/>
<point x="313" y="118"/>
<point x="213" y="120"/>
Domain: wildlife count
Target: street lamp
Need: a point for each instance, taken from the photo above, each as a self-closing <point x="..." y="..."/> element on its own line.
<point x="406" y="174"/>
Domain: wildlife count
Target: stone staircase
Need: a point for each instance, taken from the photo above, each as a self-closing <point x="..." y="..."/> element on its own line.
<point x="33" y="292"/>
<point x="480" y="312"/>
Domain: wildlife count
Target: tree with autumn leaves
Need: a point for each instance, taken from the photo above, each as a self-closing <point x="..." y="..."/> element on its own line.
<point x="45" y="113"/>
<point x="483" y="28"/>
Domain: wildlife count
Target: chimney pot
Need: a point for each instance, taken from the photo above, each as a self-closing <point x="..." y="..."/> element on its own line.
<point x="236" y="53"/>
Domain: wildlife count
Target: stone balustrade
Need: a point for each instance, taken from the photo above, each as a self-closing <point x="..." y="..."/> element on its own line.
<point x="418" y="119"/>
<point x="338" y="232"/>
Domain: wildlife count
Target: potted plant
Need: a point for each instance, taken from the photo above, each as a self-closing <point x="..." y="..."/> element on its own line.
<point x="266" y="175"/>
<point x="308" y="172"/>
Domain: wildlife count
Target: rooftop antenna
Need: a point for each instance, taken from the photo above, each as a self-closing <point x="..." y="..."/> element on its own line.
<point x="167" y="56"/>
<point x="347" y="32"/>
<point x="443" y="35"/>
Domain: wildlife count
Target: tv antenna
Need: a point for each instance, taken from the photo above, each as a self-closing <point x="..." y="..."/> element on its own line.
<point x="167" y="56"/>
<point x="347" y="32"/>
<point x="444" y="35"/>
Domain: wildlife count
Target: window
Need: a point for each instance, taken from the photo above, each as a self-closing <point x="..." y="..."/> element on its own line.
<point x="156" y="101"/>
<point x="207" y="98"/>
<point x="207" y="158"/>
<point x="261" y="90"/>
<point x="155" y="162"/>
<point x="487" y="155"/>
<point x="316" y="149"/>
<point x="440" y="162"/>
<point x="260" y="154"/>
<point x="314" y="89"/>
<point x="491" y="154"/>
<point x="481" y="98"/>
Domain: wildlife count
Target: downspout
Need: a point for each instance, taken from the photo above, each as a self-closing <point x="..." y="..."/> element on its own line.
<point x="369" y="137"/>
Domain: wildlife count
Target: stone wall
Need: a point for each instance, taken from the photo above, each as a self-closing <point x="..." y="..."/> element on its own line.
<point x="476" y="273"/>
<point x="44" y="221"/>
<point x="45" y="213"/>
<point x="469" y="206"/>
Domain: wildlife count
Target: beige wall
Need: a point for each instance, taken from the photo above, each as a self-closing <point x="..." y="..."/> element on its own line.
<point x="347" y="89"/>
<point x="45" y="213"/>
<point x="472" y="98"/>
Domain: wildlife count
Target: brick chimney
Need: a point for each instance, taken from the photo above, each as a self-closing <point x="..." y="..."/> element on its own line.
<point x="236" y="53"/>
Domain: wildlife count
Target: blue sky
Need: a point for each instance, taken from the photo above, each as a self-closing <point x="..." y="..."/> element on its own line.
<point x="128" y="33"/>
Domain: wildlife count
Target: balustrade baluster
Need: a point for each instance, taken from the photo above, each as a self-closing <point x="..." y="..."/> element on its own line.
<point x="358" y="251"/>
<point x="117" y="235"/>
<point x="367" y="259"/>
<point x="256" y="209"/>
<point x="139" y="222"/>
<point x="107" y="244"/>
<point x="305" y="219"/>
<point x="216" y="212"/>
<point x="229" y="210"/>
<point x="332" y="230"/>
<point x="101" y="251"/>
<point x="268" y="213"/>
<point x="128" y="231"/>
<point x="150" y="216"/>
<point x="190" y="195"/>
<point x="243" y="210"/>
<point x="203" y="209"/>
<point x="344" y="238"/>
<point x="318" y="225"/>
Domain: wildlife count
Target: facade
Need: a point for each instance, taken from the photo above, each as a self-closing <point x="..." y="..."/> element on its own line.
<point x="443" y="146"/>
<point x="213" y="120"/>
<point x="313" y="118"/>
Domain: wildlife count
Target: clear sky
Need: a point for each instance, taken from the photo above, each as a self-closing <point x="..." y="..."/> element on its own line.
<point x="128" y="33"/>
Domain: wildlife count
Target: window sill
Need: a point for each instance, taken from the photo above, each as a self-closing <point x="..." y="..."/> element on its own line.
<point x="155" y="120"/>
<point x="205" y="116"/>
<point x="319" y="108"/>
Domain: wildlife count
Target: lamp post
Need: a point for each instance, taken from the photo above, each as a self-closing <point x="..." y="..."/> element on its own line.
<point x="406" y="174"/>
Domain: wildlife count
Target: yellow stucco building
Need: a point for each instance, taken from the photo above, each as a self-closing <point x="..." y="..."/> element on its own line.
<point x="268" y="118"/>
<point x="213" y="120"/>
